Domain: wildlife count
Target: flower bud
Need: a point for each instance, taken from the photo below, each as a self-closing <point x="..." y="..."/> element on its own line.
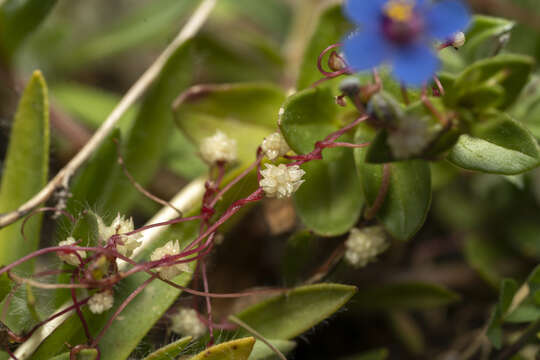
<point x="127" y="243"/>
<point x="186" y="322"/>
<point x="169" y="272"/>
<point x="274" y="146"/>
<point x="281" y="181"/>
<point x="218" y="148"/>
<point x="69" y="256"/>
<point x="459" y="40"/>
<point x="101" y="302"/>
<point x="363" y="245"/>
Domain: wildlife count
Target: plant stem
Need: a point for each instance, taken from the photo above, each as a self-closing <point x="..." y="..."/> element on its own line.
<point x="510" y="351"/>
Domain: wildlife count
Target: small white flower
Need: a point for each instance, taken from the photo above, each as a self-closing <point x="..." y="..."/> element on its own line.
<point x="169" y="272"/>
<point x="274" y="146"/>
<point x="218" y="147"/>
<point x="410" y="138"/>
<point x="186" y="322"/>
<point x="70" y="257"/>
<point x="281" y="181"/>
<point x="101" y="302"/>
<point x="120" y="225"/>
<point x="363" y="245"/>
<point x="459" y="40"/>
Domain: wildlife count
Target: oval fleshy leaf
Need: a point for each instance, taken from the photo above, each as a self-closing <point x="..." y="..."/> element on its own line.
<point x="289" y="315"/>
<point x="232" y="350"/>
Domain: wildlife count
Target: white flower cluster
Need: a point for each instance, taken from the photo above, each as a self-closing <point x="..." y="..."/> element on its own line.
<point x="281" y="181"/>
<point x="218" y="148"/>
<point x="186" y="322"/>
<point x="363" y="245"/>
<point x="410" y="138"/>
<point x="274" y="146"/>
<point x="170" y="271"/>
<point x="459" y="40"/>
<point x="120" y="225"/>
<point x="101" y="302"/>
<point x="70" y="257"/>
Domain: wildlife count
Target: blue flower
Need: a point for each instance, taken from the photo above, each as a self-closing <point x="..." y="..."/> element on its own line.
<point x="402" y="33"/>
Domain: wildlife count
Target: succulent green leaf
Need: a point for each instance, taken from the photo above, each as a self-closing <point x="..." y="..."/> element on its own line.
<point x="170" y="351"/>
<point x="232" y="350"/>
<point x="509" y="71"/>
<point x="26" y="169"/>
<point x="484" y="37"/>
<point x="245" y="112"/>
<point x="500" y="145"/>
<point x="289" y="315"/>
<point x="18" y="19"/>
<point x="335" y="210"/>
<point x="408" y="199"/>
<point x="404" y="296"/>
<point x="261" y="351"/>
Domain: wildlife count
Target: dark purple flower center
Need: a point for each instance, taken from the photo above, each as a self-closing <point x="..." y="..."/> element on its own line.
<point x="400" y="23"/>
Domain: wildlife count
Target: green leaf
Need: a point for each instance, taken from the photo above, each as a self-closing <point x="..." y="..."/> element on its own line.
<point x="484" y="256"/>
<point x="261" y="351"/>
<point x="232" y="350"/>
<point x="298" y="255"/>
<point x="483" y="37"/>
<point x="5" y="286"/>
<point x="245" y="112"/>
<point x="500" y="145"/>
<point x="509" y="71"/>
<point x="147" y="140"/>
<point x="289" y="315"/>
<point x="307" y="117"/>
<point x="146" y="24"/>
<point x="331" y="28"/>
<point x="405" y="296"/>
<point x="407" y="202"/>
<point x="379" y="354"/>
<point x="87" y="354"/>
<point x="18" y="19"/>
<point x="171" y="350"/>
<point x="335" y="210"/>
<point x="25" y="170"/>
<point x="90" y="105"/>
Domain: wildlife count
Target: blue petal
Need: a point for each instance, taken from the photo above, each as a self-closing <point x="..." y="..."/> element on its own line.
<point x="414" y="65"/>
<point x="446" y="17"/>
<point x="366" y="50"/>
<point x="365" y="13"/>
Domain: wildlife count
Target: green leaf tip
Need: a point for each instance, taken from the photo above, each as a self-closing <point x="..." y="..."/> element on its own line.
<point x="232" y="350"/>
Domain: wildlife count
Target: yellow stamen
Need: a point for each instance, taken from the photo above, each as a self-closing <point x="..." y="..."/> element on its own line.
<point x="399" y="10"/>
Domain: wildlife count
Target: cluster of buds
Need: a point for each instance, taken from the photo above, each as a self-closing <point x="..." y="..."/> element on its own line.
<point x="274" y="146"/>
<point x="101" y="302"/>
<point x="186" y="322"/>
<point x="125" y="244"/>
<point x="218" y="148"/>
<point x="364" y="245"/>
<point x="281" y="181"/>
<point x="71" y="257"/>
<point x="168" y="272"/>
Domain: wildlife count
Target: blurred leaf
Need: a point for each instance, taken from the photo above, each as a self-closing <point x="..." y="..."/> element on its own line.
<point x="331" y="28"/>
<point x="379" y="354"/>
<point x="5" y="286"/>
<point x="509" y="71"/>
<point x="500" y="145"/>
<point x="484" y="256"/>
<point x="232" y="350"/>
<point x="261" y="351"/>
<point x="150" y="23"/>
<point x="91" y="105"/>
<point x="25" y="170"/>
<point x="18" y="19"/>
<point x="406" y="296"/>
<point x="408" y="332"/>
<point x="171" y="350"/>
<point x="87" y="354"/>
<point x="483" y="37"/>
<point x="146" y="143"/>
<point x="288" y="315"/>
<point x="245" y="112"/>
<point x="298" y="254"/>
<point x="407" y="202"/>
